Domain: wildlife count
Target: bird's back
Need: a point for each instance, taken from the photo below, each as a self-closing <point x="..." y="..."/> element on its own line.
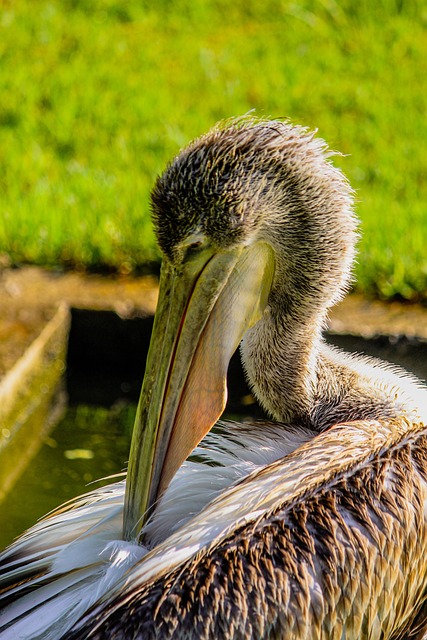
<point x="342" y="554"/>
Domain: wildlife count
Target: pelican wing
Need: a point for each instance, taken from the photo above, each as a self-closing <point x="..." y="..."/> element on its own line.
<point x="330" y="543"/>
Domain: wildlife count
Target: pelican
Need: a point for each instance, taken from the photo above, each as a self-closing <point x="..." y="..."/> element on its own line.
<point x="310" y="525"/>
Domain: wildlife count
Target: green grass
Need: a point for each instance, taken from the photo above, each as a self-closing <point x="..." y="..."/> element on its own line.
<point x="96" y="96"/>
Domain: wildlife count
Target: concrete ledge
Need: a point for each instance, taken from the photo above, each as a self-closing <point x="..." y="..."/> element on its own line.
<point x="357" y="316"/>
<point x="30" y="397"/>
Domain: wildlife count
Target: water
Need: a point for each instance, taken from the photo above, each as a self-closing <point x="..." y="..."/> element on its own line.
<point x="87" y="444"/>
<point x="92" y="442"/>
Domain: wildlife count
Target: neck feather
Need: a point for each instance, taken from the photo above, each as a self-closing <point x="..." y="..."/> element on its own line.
<point x="295" y="376"/>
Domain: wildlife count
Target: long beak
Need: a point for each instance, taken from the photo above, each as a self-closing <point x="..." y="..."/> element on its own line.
<point x="205" y="306"/>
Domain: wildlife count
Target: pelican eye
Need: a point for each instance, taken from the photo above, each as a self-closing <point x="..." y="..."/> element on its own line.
<point x="195" y="247"/>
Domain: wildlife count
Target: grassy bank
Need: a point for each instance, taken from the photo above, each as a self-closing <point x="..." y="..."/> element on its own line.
<point x="96" y="96"/>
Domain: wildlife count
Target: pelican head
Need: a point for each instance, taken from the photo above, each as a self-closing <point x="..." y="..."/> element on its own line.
<point x="257" y="233"/>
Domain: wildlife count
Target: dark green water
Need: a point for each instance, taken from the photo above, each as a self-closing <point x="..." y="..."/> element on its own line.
<point x="88" y="443"/>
